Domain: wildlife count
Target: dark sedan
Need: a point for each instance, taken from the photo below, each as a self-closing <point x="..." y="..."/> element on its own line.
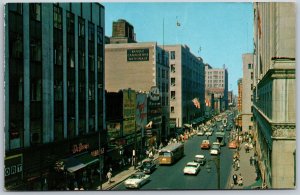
<point x="148" y="166"/>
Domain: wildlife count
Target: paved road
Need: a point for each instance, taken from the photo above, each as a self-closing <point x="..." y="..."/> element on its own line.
<point x="172" y="177"/>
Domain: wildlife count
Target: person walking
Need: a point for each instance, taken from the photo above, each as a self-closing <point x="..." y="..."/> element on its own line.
<point x="109" y="175"/>
<point x="234" y="178"/>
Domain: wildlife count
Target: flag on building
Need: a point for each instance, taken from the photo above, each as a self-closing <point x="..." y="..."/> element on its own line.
<point x="196" y="102"/>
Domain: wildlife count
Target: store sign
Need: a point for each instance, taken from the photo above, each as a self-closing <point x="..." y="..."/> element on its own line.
<point x="13" y="167"/>
<point x="138" y="55"/>
<point x="79" y="148"/>
<point x="97" y="152"/>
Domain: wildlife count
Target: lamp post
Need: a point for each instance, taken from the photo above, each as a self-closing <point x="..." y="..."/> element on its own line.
<point x="217" y="164"/>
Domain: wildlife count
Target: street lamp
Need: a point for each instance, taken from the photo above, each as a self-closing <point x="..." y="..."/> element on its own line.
<point x="217" y="164"/>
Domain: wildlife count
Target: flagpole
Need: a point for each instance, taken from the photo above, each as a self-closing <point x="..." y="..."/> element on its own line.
<point x="163" y="33"/>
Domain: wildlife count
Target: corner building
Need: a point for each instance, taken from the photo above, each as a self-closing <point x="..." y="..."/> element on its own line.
<point x="274" y="93"/>
<point x="140" y="66"/>
<point x="54" y="91"/>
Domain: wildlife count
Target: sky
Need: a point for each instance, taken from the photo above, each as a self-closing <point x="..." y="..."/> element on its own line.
<point x="219" y="32"/>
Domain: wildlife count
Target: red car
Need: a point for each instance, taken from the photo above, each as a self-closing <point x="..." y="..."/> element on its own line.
<point x="205" y="144"/>
<point x="232" y="144"/>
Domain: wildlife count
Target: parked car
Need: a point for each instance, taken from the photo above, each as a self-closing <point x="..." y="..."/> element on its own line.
<point x="215" y="148"/>
<point x="205" y="144"/>
<point x="191" y="168"/>
<point x="232" y="144"/>
<point x="148" y="166"/>
<point x="208" y="133"/>
<point x="136" y="180"/>
<point x="199" y="158"/>
<point x="200" y="132"/>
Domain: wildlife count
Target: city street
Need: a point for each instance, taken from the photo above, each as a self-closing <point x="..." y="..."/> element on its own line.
<point x="172" y="177"/>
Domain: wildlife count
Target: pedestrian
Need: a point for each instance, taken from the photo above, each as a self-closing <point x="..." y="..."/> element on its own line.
<point x="234" y="178"/>
<point x="240" y="180"/>
<point x="251" y="161"/>
<point x="109" y="175"/>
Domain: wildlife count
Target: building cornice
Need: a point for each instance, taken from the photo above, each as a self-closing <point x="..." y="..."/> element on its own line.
<point x="283" y="130"/>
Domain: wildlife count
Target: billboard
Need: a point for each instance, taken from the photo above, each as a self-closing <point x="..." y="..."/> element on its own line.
<point x="129" y="108"/>
<point x="141" y="112"/>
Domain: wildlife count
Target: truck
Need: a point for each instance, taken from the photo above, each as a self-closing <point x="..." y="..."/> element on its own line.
<point x="220" y="135"/>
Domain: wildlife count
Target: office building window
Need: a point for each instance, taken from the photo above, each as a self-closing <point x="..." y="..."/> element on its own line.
<point x="249" y="66"/>
<point x="81" y="27"/>
<point x="57" y="17"/>
<point x="251" y="75"/>
<point x="173" y="55"/>
<point x="173" y="95"/>
<point x="35" y="11"/>
<point x="172" y="68"/>
<point x="173" y="81"/>
<point x="172" y="109"/>
<point x="91" y="31"/>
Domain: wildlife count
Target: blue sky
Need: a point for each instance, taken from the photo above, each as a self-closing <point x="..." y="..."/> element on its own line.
<point x="223" y="30"/>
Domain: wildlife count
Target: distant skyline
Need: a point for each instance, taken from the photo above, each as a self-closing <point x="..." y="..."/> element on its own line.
<point x="219" y="32"/>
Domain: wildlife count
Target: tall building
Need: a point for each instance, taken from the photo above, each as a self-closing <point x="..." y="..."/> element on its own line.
<point x="216" y="82"/>
<point x="239" y="103"/>
<point x="274" y="92"/>
<point x="187" y="85"/>
<point x="140" y="66"/>
<point x="54" y="84"/>
<point x="247" y="81"/>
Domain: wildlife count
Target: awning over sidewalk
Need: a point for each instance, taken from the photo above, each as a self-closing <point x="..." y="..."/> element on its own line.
<point x="72" y="164"/>
<point x="87" y="159"/>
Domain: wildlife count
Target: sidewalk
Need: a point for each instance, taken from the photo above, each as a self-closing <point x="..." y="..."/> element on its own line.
<point x="247" y="171"/>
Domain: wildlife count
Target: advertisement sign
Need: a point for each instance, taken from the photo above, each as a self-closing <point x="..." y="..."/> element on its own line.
<point x="138" y="55"/>
<point x="13" y="170"/>
<point x="129" y="108"/>
<point x="141" y="112"/>
<point x="113" y="129"/>
<point x="154" y="111"/>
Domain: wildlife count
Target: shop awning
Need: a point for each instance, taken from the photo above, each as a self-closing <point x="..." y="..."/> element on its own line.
<point x="72" y="164"/>
<point x="87" y="159"/>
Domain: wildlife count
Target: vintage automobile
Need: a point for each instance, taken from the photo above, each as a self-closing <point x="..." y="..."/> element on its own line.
<point x="200" y="132"/>
<point x="200" y="158"/>
<point x="148" y="166"/>
<point x="215" y="148"/>
<point x="232" y="144"/>
<point x="208" y="133"/>
<point x="205" y="144"/>
<point x="136" y="180"/>
<point x="191" y="168"/>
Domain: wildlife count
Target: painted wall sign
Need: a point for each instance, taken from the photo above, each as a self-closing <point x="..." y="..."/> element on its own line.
<point x="79" y="148"/>
<point x="138" y="55"/>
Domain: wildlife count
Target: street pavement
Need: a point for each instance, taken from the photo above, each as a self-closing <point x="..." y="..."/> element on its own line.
<point x="247" y="171"/>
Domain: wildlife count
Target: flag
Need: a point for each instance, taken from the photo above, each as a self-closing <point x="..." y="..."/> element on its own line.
<point x="196" y="103"/>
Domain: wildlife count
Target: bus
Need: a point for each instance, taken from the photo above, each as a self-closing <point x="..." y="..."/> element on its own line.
<point x="171" y="153"/>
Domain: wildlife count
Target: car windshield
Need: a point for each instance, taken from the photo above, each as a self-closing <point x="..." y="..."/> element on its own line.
<point x="191" y="165"/>
<point x="165" y="154"/>
<point x="147" y="164"/>
<point x="215" y="147"/>
<point x="135" y="176"/>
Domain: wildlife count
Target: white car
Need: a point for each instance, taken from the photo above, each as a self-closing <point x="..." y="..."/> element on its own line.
<point x="136" y="180"/>
<point x="215" y="148"/>
<point x="208" y="133"/>
<point x="191" y="168"/>
<point x="200" y="132"/>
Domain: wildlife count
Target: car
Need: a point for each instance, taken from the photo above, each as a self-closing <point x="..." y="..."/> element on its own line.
<point x="200" y="132"/>
<point x="205" y="144"/>
<point x="191" y="168"/>
<point x="215" y="149"/>
<point x="148" y="166"/>
<point x="208" y="133"/>
<point x="136" y="180"/>
<point x="232" y="144"/>
<point x="199" y="158"/>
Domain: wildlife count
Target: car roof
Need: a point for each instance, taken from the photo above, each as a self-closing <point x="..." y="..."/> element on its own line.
<point x="199" y="156"/>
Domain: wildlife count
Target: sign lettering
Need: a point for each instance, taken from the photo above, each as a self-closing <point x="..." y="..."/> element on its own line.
<point x="138" y="55"/>
<point x="80" y="147"/>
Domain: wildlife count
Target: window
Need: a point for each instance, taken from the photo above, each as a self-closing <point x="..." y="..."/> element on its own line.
<point x="251" y="75"/>
<point x="173" y="68"/>
<point x="158" y="72"/>
<point x="15" y="7"/>
<point x="172" y="109"/>
<point x="251" y="118"/>
<point x="35" y="11"/>
<point x="163" y="73"/>
<point x="57" y="17"/>
<point x="249" y="66"/>
<point x="81" y="27"/>
<point x="70" y="22"/>
<point x="91" y="32"/>
<point x="173" y="55"/>
<point x="173" y="81"/>
<point x="251" y="86"/>
<point x="250" y="127"/>
<point x="99" y="35"/>
<point x="173" y="95"/>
